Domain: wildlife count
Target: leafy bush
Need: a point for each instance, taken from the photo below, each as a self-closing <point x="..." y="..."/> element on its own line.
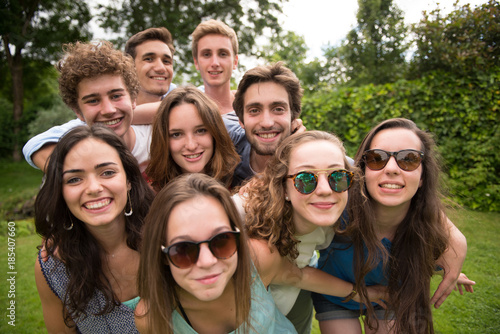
<point x="461" y="112"/>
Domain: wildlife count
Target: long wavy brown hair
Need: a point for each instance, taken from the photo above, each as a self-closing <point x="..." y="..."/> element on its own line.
<point x="162" y="168"/>
<point x="418" y="242"/>
<point x="268" y="215"/>
<point x="156" y="284"/>
<point x="81" y="253"/>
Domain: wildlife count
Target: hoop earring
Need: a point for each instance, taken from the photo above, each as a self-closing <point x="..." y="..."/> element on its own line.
<point x="128" y="214"/>
<point x="71" y="226"/>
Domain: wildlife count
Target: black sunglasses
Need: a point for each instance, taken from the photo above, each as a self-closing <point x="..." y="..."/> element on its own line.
<point x="185" y="254"/>
<point x="407" y="160"/>
<point x="306" y="182"/>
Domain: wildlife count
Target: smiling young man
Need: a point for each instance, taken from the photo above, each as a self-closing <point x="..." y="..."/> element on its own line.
<point x="267" y="102"/>
<point x="152" y="51"/>
<point x="215" y="55"/>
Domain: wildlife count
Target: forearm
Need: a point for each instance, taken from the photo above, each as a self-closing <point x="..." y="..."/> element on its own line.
<point x="145" y="113"/>
<point x="315" y="280"/>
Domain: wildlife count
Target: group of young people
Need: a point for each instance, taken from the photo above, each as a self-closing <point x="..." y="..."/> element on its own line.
<point x="206" y="216"/>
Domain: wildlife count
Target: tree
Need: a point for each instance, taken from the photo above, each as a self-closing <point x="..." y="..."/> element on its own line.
<point x="249" y="19"/>
<point x="463" y="42"/>
<point x="374" y="51"/>
<point x="33" y="30"/>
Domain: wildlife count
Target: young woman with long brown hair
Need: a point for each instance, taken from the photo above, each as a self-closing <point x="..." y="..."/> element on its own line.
<point x="189" y="136"/>
<point x="90" y="209"/>
<point x="395" y="233"/>
<point x="195" y="274"/>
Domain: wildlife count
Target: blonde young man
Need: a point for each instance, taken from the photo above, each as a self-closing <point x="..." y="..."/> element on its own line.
<point x="215" y="55"/>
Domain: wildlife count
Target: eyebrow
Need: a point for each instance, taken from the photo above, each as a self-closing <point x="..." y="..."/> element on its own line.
<point x="148" y="54"/>
<point x="104" y="164"/>
<point x="97" y="94"/>
<point x="184" y="237"/>
<point x="309" y="167"/>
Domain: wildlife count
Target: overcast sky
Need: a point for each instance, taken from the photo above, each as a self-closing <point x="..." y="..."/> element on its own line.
<point x="328" y="21"/>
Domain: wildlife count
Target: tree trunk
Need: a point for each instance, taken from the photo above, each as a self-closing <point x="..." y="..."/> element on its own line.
<point x="18" y="94"/>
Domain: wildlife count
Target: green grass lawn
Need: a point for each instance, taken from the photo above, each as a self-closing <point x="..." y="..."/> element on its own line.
<point x="471" y="313"/>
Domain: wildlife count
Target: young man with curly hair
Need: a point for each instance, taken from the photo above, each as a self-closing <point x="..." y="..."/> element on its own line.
<point x="150" y="63"/>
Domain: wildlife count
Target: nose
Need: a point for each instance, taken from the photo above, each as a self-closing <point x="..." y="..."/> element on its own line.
<point x="392" y="166"/>
<point x="266" y="120"/>
<point x="205" y="259"/>
<point x="94" y="186"/>
<point x="108" y="107"/>
<point x="323" y="188"/>
<point x="191" y="143"/>
<point x="215" y="60"/>
<point x="158" y="66"/>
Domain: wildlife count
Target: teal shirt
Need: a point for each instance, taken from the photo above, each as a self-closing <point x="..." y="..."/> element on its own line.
<point x="264" y="315"/>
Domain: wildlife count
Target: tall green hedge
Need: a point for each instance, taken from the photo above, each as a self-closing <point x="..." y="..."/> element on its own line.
<point x="461" y="112"/>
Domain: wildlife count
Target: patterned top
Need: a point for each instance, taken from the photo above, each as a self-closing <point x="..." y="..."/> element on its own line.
<point x="119" y="320"/>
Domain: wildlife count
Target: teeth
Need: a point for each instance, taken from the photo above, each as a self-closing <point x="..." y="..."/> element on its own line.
<point x="193" y="156"/>
<point x="215" y="72"/>
<point x="159" y="78"/>
<point x="391" y="186"/>
<point x="112" y="122"/>
<point x="267" y="135"/>
<point x="98" y="205"/>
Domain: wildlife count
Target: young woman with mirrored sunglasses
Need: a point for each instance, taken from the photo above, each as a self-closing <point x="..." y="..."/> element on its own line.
<point x="290" y="211"/>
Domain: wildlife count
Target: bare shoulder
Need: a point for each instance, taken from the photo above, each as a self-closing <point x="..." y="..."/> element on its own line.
<point x="267" y="260"/>
<point x="141" y="320"/>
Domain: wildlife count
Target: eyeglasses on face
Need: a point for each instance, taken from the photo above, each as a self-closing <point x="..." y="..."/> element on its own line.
<point x="185" y="254"/>
<point x="306" y="181"/>
<point x="407" y="160"/>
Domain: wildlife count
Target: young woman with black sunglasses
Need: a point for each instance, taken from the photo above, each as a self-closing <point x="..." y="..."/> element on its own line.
<point x="395" y="234"/>
<point x="195" y="272"/>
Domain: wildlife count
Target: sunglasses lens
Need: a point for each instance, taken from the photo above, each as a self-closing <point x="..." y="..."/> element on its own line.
<point x="376" y="159"/>
<point x="305" y="183"/>
<point x="224" y="245"/>
<point x="408" y="160"/>
<point x="184" y="254"/>
<point x="340" y="181"/>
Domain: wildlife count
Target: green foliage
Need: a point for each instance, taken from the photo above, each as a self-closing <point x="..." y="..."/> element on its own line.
<point x="19" y="183"/>
<point x="374" y="51"/>
<point x="56" y="114"/>
<point x="461" y="112"/>
<point x="464" y="41"/>
<point x="248" y="18"/>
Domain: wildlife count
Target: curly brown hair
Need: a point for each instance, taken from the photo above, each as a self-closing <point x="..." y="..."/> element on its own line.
<point x="91" y="60"/>
<point x="268" y="215"/>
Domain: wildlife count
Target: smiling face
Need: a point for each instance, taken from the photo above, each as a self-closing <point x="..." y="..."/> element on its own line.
<point x="105" y="100"/>
<point x="267" y="117"/>
<point x="190" y="143"/>
<point x="323" y="206"/>
<point x="198" y="219"/>
<point x="95" y="184"/>
<point x="215" y="60"/>
<point x="154" y="66"/>
<point x="391" y="186"/>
